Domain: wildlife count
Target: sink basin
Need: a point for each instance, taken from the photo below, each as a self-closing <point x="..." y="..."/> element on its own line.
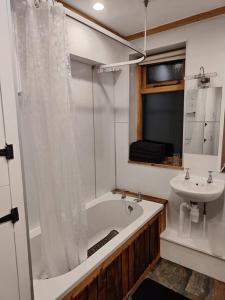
<point x="197" y="189"/>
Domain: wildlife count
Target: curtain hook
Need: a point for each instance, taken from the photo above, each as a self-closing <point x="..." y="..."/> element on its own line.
<point x="37" y="3"/>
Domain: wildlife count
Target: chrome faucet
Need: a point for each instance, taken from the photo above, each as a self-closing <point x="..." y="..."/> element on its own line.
<point x="187" y="175"/>
<point x="139" y="198"/>
<point x="124" y="195"/>
<point x="210" y="179"/>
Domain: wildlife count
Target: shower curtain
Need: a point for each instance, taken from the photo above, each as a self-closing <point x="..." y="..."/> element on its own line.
<point x="49" y="154"/>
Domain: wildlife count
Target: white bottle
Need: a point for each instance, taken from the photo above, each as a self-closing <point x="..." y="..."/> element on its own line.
<point x="194" y="213"/>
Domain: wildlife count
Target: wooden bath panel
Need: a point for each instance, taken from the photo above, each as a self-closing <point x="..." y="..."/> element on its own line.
<point x="121" y="272"/>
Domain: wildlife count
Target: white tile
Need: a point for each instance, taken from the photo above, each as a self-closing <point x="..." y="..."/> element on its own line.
<point x="104" y="132"/>
<point x="82" y="100"/>
<point x="121" y="86"/>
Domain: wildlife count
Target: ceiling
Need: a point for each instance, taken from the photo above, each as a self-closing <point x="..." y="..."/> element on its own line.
<point x="127" y="16"/>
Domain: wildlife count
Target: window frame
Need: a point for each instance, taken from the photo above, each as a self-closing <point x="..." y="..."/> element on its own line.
<point x="144" y="88"/>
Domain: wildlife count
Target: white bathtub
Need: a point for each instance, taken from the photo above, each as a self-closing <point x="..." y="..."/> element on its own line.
<point x="104" y="214"/>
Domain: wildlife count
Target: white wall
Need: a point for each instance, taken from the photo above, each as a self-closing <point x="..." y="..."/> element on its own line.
<point x="87" y="43"/>
<point x="103" y="93"/>
<point x="93" y="99"/>
<point x="205" y="46"/>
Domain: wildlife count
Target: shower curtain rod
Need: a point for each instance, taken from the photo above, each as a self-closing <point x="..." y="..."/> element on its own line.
<point x="109" y="34"/>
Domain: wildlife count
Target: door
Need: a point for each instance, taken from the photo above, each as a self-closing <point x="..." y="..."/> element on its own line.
<point x="15" y="275"/>
<point x="9" y="288"/>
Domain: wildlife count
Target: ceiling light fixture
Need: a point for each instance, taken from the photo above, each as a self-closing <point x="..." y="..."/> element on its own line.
<point x="98" y="6"/>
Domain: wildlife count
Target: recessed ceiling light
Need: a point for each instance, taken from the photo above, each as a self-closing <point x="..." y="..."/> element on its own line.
<point x="98" y="6"/>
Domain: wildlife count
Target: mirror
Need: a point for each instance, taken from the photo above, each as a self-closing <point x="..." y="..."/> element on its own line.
<point x="202" y="121"/>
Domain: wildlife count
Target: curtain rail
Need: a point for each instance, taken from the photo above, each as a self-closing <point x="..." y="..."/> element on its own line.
<point x="102" y="30"/>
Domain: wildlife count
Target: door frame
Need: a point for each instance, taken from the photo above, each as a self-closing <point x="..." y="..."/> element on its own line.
<point x="9" y="82"/>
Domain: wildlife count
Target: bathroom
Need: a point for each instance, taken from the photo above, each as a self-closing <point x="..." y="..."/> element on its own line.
<point x="148" y="228"/>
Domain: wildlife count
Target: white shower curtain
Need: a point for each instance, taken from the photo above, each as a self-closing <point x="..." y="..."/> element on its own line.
<point x="51" y="167"/>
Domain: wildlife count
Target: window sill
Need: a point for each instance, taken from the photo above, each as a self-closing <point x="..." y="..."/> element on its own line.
<point x="156" y="165"/>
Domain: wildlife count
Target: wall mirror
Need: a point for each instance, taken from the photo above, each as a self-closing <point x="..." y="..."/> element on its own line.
<point x="202" y="120"/>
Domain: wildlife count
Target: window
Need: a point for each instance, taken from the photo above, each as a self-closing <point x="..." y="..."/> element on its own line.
<point x="160" y="110"/>
<point x="168" y="72"/>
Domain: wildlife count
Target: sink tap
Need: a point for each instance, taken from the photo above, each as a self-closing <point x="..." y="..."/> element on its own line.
<point x="139" y="198"/>
<point x="187" y="175"/>
<point x="124" y="195"/>
<point x="210" y="179"/>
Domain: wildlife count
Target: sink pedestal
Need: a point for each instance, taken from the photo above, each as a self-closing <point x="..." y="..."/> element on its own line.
<point x="199" y="191"/>
<point x="193" y="210"/>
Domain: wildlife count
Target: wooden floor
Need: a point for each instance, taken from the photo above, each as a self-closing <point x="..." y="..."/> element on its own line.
<point x="189" y="283"/>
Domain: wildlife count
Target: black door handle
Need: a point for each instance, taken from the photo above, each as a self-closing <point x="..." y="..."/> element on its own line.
<point x="13" y="216"/>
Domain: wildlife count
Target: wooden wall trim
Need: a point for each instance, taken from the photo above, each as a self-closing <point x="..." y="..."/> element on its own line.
<point x="182" y="22"/>
<point x="144" y="197"/>
<point x="163" y="89"/>
<point x="88" y="17"/>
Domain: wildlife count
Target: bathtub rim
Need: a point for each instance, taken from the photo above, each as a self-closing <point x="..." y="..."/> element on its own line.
<point x="36" y="231"/>
<point x="58" y="287"/>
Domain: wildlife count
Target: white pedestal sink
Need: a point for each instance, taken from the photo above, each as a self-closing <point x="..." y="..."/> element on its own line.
<point x="196" y="189"/>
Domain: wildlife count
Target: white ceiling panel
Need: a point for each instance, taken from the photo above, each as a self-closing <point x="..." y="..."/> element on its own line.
<point x="127" y="16"/>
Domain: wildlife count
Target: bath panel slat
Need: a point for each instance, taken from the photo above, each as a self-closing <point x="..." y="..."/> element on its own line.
<point x="137" y="257"/>
<point x="102" y="285"/>
<point x="142" y="253"/>
<point x="125" y="270"/>
<point x="147" y="250"/>
<point x="93" y="290"/>
<point x="118" y="275"/>
<point x="131" y="266"/>
<point x="110" y="282"/>
<point x="83" y="295"/>
<point x="154" y="244"/>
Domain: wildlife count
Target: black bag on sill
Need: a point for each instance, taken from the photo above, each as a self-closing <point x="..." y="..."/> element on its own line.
<point x="146" y="151"/>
